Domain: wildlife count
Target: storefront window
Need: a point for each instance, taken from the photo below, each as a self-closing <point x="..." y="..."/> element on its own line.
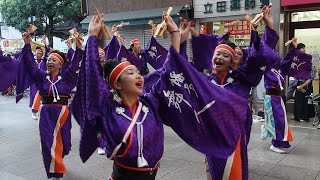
<point x="239" y="34"/>
<point x="305" y="16"/>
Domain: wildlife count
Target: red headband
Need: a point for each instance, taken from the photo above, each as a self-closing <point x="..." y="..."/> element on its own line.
<point x="227" y="48"/>
<point x="116" y="72"/>
<point x="237" y="48"/>
<point x="134" y="41"/>
<point x="56" y="55"/>
<point x="39" y="51"/>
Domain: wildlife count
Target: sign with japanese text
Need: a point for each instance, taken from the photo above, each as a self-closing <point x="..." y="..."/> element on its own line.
<point x="242" y="28"/>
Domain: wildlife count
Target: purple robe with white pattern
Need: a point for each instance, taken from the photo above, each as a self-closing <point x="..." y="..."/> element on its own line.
<point x="297" y="64"/>
<point x="238" y="81"/>
<point x="50" y="130"/>
<point x="183" y="99"/>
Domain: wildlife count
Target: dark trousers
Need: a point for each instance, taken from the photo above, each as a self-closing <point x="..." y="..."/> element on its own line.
<point x="302" y="110"/>
<point x="120" y="173"/>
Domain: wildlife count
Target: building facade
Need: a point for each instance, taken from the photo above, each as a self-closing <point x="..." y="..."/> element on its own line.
<point x="134" y="15"/>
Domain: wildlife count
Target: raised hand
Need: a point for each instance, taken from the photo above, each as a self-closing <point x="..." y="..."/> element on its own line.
<point x="79" y="42"/>
<point x="44" y="40"/>
<point x="95" y="25"/>
<point x="26" y="38"/>
<point x="114" y="29"/>
<point x="295" y="42"/>
<point x="122" y="40"/>
<point x="68" y="42"/>
<point x="171" y="25"/>
<point x="185" y="26"/>
<point x="267" y="17"/>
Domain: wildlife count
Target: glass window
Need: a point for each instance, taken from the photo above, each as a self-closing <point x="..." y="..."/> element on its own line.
<point x="305" y="16"/>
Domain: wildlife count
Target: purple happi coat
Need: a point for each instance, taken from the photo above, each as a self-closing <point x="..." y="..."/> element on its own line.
<point x="55" y="119"/>
<point x="8" y="72"/>
<point x="238" y="81"/>
<point x="183" y="99"/>
<point x="297" y="64"/>
<point x="276" y="123"/>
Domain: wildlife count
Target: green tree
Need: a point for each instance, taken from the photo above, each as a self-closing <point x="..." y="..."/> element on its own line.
<point x="48" y="14"/>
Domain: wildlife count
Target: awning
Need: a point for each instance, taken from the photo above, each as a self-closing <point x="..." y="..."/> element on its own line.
<point x="285" y="3"/>
<point x="134" y="17"/>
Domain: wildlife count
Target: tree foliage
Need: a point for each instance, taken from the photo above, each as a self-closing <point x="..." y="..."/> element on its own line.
<point x="48" y="13"/>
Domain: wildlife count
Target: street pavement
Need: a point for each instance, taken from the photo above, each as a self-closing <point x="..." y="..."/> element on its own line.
<point x="20" y="157"/>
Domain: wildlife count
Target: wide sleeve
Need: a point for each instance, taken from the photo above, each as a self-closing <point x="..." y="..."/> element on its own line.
<point x="28" y="72"/>
<point x="271" y="37"/>
<point x="70" y="53"/>
<point x="259" y="58"/>
<point x="91" y="88"/>
<point x="89" y="98"/>
<point x="112" y="49"/>
<point x="203" y="48"/>
<point x="155" y="54"/>
<point x="70" y="75"/>
<point x="8" y="72"/>
<point x="125" y="55"/>
<point x="297" y="64"/>
<point x="202" y="114"/>
<point x="183" y="50"/>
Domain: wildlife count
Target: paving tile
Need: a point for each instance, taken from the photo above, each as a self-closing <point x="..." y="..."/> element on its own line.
<point x="265" y="155"/>
<point x="260" y="167"/>
<point x="185" y="152"/>
<point x="270" y="178"/>
<point x="7" y="176"/>
<point x="253" y="176"/>
<point x="189" y="171"/>
<point x="292" y="173"/>
<point x="301" y="161"/>
<point x="23" y="167"/>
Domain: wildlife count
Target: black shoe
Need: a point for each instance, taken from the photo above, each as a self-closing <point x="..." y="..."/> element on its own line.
<point x="296" y="119"/>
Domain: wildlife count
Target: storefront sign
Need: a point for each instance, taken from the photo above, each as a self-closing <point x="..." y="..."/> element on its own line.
<point x="242" y="28"/>
<point x="285" y="3"/>
<point x="235" y="5"/>
<point x="13" y="43"/>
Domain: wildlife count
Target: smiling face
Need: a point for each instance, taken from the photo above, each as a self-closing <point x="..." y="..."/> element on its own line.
<point x="53" y="64"/>
<point x="130" y="82"/>
<point x="238" y="58"/>
<point x="221" y="60"/>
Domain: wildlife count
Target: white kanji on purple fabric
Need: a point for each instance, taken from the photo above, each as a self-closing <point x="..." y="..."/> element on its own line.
<point x="175" y="99"/>
<point x="154" y="49"/>
<point x="190" y="87"/>
<point x="176" y="79"/>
